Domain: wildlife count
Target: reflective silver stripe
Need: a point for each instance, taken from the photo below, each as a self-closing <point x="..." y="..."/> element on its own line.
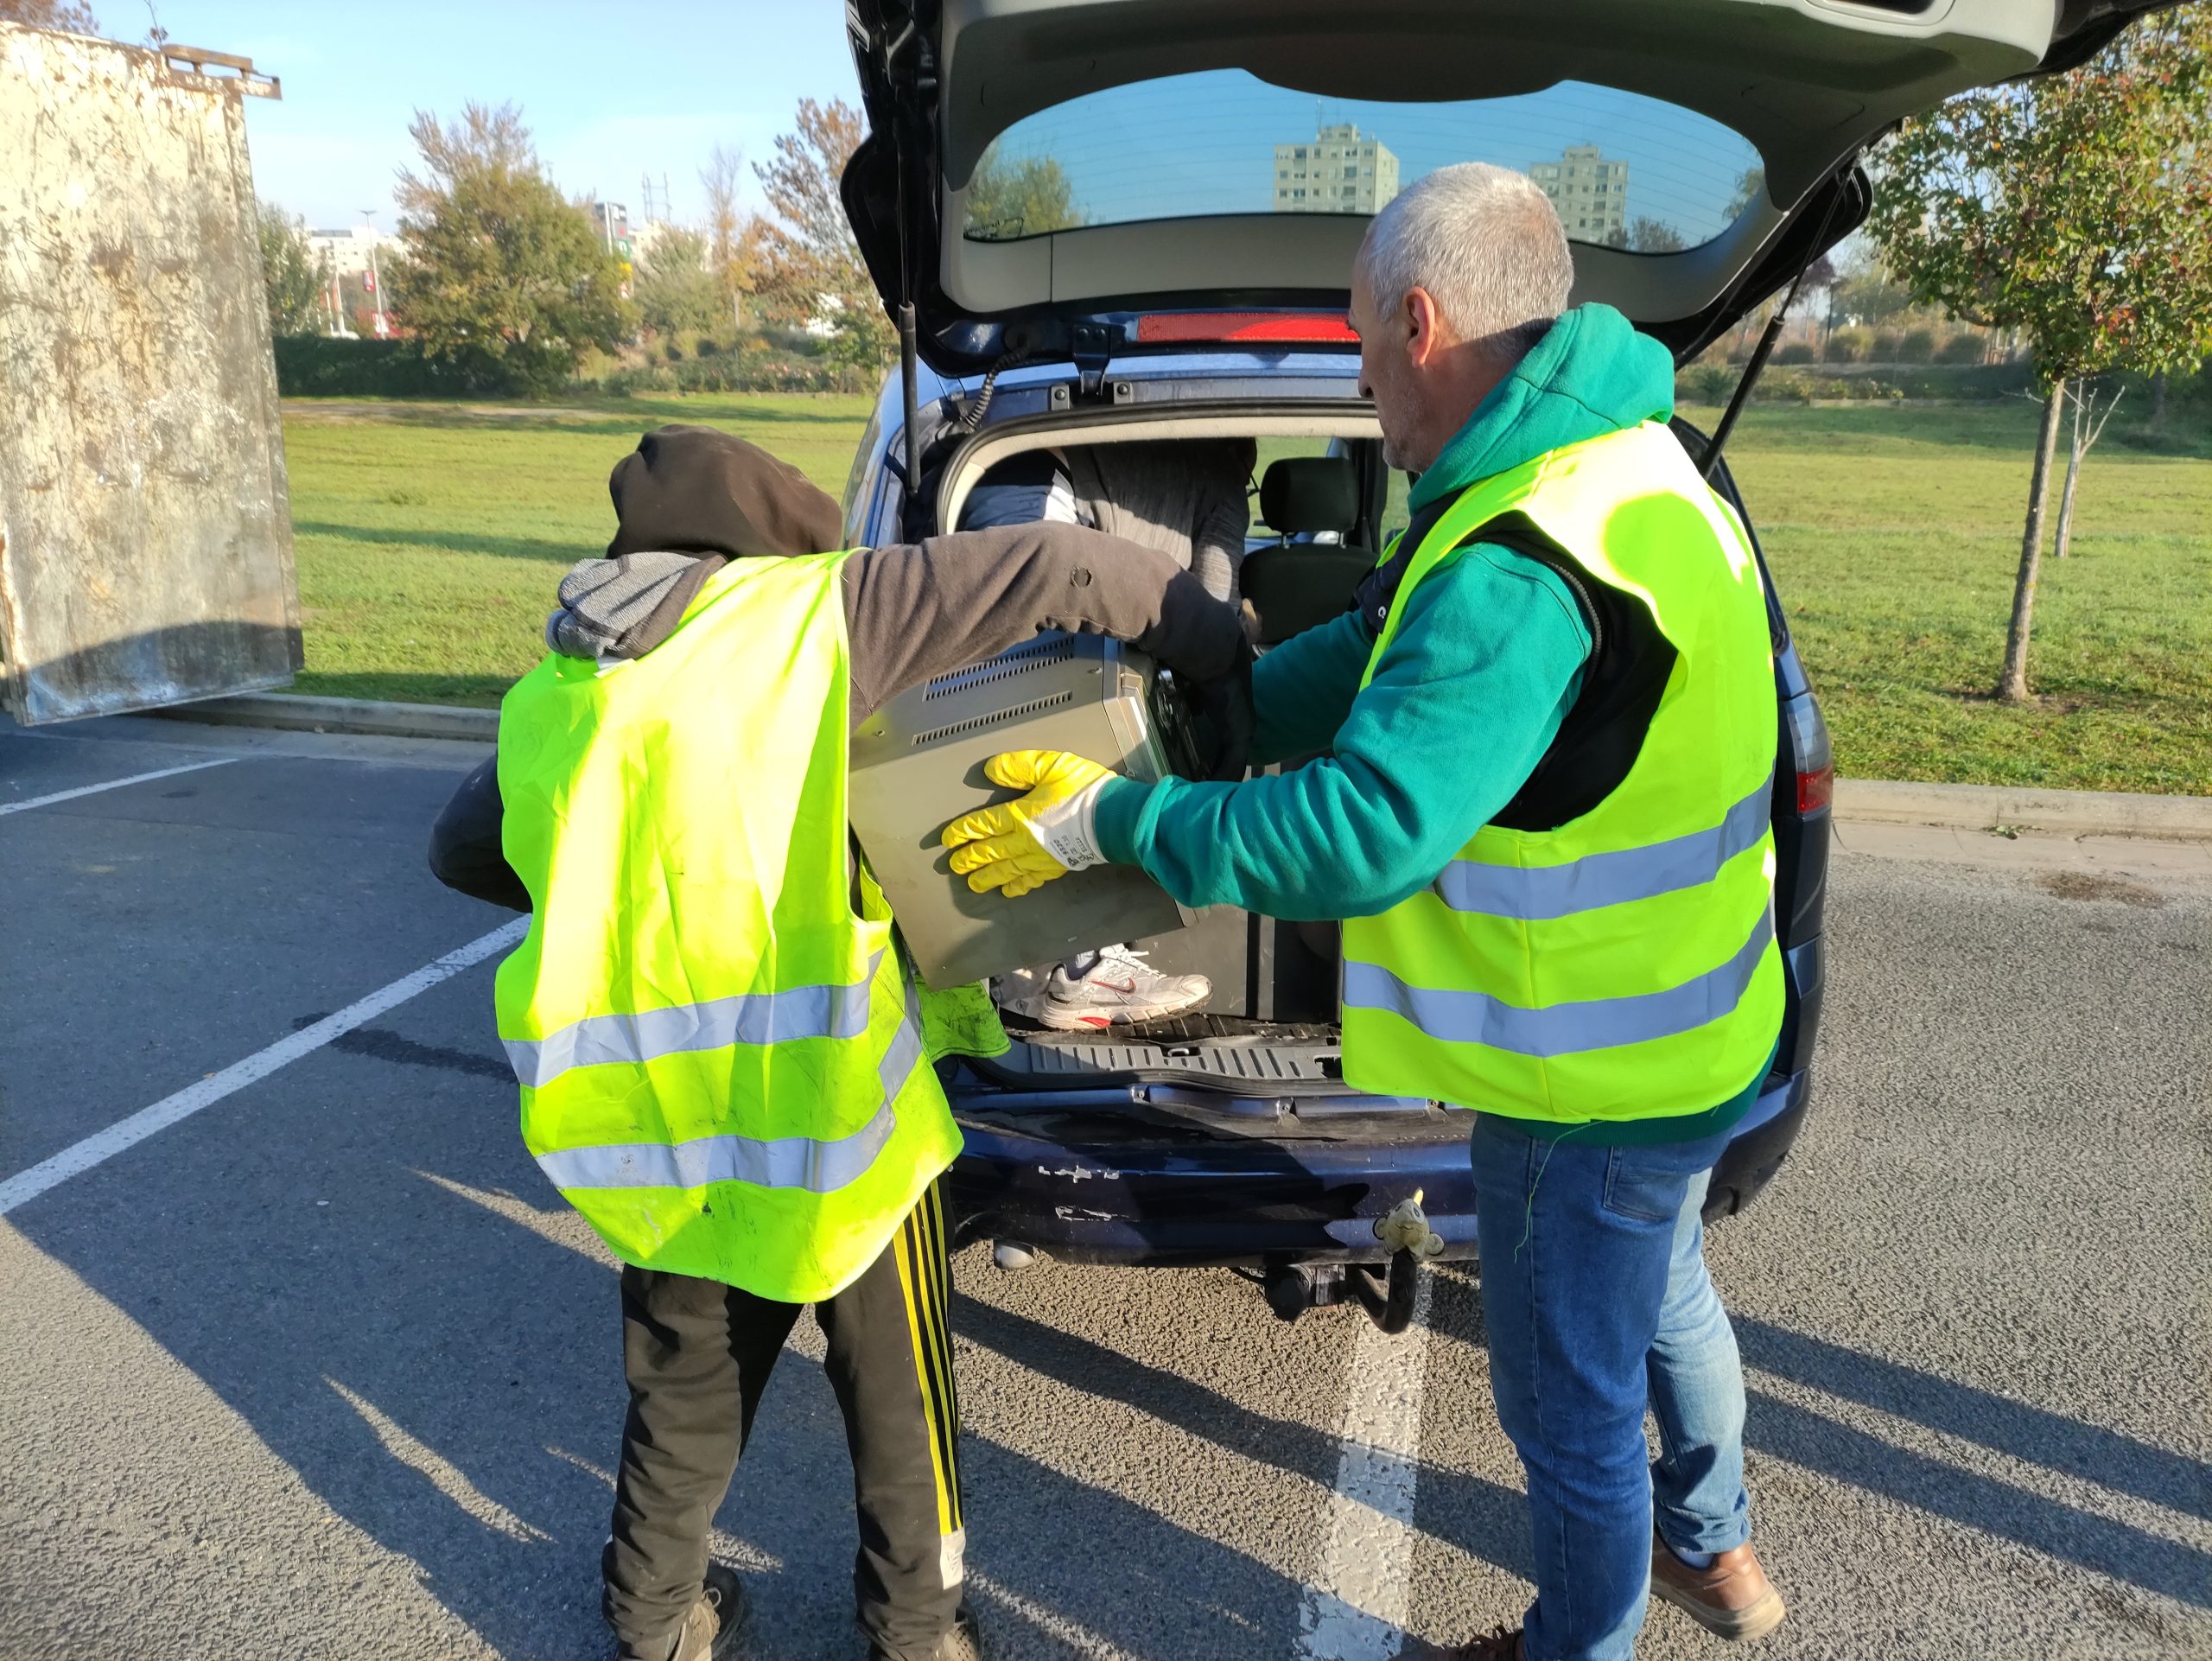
<point x="777" y="1162"/>
<point x="1562" y="1028"/>
<point x="1538" y="893"/>
<point x="906" y="1049"/>
<point x="784" y="1162"/>
<point x="746" y="1018"/>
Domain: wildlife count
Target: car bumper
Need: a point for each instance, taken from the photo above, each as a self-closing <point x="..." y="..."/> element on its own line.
<point x="1081" y="1186"/>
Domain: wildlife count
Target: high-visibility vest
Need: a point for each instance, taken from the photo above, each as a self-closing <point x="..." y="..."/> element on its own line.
<point x="1624" y="964"/>
<point x="721" y="1060"/>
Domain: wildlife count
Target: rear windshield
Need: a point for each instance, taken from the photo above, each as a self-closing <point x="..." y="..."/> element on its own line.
<point x="1624" y="171"/>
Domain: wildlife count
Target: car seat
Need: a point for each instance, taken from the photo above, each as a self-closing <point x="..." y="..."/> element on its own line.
<point x="1308" y="577"/>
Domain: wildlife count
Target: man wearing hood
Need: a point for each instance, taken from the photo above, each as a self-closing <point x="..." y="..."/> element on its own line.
<point x="724" y="1067"/>
<point x="1544" y="818"/>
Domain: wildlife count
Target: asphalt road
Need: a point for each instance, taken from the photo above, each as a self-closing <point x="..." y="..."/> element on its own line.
<point x="324" y="1369"/>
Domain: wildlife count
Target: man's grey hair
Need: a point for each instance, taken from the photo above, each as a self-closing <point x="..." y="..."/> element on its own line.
<point x="1487" y="245"/>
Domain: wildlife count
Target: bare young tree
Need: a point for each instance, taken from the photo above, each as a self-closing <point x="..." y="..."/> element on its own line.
<point x="810" y="265"/>
<point x="2091" y="410"/>
<point x="733" y="235"/>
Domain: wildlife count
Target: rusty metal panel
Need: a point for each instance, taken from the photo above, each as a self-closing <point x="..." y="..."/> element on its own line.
<point x="145" y="524"/>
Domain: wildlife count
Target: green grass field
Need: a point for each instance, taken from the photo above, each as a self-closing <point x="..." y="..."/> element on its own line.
<point x="1894" y="535"/>
<point x="430" y="536"/>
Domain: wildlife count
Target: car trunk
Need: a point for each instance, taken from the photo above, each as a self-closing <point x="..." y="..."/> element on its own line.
<point x="1271" y="1025"/>
<point x="1271" y="1028"/>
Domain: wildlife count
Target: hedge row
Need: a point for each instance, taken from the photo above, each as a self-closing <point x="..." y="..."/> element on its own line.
<point x="743" y="372"/>
<point x="315" y="365"/>
<point x="1714" y="383"/>
<point x="318" y="365"/>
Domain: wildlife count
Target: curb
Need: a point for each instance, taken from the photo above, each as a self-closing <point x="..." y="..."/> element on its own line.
<point x="364" y="716"/>
<point x="1864" y="801"/>
<point x="1985" y="807"/>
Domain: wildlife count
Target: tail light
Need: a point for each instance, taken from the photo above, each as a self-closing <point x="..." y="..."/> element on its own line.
<point x="1816" y="789"/>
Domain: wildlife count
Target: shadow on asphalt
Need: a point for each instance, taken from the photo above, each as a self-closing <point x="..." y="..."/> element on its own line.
<point x="2060" y="1530"/>
<point x="2040" y="1437"/>
<point x="448" y="1380"/>
<point x="1480" y="1517"/>
<point x="2032" y="1434"/>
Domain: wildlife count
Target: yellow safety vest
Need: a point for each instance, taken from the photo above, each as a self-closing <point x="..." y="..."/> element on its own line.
<point x="722" y="1062"/>
<point x="1622" y="966"/>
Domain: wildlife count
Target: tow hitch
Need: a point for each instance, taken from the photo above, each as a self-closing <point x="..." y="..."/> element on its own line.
<point x="1293" y="1289"/>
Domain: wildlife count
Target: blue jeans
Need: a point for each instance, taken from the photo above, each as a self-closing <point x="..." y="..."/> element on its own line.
<point x="1596" y="1301"/>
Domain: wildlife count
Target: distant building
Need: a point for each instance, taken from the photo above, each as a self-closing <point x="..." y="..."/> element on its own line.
<point x="1590" y="193"/>
<point x="822" y="320"/>
<point x="611" y="220"/>
<point x="645" y="235"/>
<point x="1339" y="172"/>
<point x="348" y="251"/>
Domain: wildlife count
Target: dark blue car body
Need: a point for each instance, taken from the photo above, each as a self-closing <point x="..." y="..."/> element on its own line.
<point x="1145" y="1171"/>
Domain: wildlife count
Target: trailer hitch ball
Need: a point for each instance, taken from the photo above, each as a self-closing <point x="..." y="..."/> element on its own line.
<point x="1012" y="1255"/>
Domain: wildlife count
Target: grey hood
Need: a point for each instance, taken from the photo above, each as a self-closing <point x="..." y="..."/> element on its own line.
<point x="625" y="606"/>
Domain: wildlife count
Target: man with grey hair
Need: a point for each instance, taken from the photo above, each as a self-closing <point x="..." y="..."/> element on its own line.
<point x="1544" y="815"/>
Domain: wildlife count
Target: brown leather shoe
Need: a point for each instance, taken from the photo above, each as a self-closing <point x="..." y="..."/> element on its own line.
<point x="1500" y="1645"/>
<point x="1732" y="1599"/>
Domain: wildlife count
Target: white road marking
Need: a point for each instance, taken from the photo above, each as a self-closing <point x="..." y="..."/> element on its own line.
<point x="1357" y="1607"/>
<point x="126" y="1133"/>
<point x="113" y="784"/>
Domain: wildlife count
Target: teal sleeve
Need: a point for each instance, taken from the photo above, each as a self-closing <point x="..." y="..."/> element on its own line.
<point x="1487" y="660"/>
<point x="1303" y="689"/>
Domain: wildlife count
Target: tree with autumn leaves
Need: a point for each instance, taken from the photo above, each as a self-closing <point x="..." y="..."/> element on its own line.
<point x="2076" y="209"/>
<point x="503" y="276"/>
<point x="811" y="269"/>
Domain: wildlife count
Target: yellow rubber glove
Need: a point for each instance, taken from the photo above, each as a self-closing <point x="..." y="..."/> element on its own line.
<point x="1020" y="845"/>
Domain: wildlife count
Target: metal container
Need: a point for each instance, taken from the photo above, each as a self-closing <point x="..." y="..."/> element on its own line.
<point x="145" y="523"/>
<point x="918" y="764"/>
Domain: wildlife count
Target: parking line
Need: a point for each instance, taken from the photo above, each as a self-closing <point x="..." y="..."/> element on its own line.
<point x="126" y="1133"/>
<point x="113" y="784"/>
<point x="1356" y="1606"/>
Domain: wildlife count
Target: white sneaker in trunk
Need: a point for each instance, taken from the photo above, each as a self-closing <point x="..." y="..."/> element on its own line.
<point x="1116" y="988"/>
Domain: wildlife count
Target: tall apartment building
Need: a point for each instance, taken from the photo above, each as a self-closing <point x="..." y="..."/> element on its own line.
<point x="347" y="248"/>
<point x="1339" y="172"/>
<point x="1590" y="193"/>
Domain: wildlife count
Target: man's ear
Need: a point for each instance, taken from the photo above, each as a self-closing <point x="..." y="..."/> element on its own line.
<point x="1424" y="324"/>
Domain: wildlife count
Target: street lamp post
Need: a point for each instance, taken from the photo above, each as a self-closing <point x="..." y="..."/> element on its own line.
<point x="376" y="282"/>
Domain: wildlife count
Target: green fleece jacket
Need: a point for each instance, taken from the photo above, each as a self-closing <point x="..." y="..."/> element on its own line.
<point x="1487" y="660"/>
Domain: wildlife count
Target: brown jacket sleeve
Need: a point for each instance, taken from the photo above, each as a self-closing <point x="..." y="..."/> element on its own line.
<point x="913" y="611"/>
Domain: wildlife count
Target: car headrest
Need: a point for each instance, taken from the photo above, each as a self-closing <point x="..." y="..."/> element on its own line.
<point x="1309" y="492"/>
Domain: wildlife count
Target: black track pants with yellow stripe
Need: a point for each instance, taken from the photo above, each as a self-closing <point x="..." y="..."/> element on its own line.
<point x="698" y="1355"/>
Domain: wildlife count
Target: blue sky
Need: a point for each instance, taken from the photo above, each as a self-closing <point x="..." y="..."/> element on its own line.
<point x="609" y="89"/>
